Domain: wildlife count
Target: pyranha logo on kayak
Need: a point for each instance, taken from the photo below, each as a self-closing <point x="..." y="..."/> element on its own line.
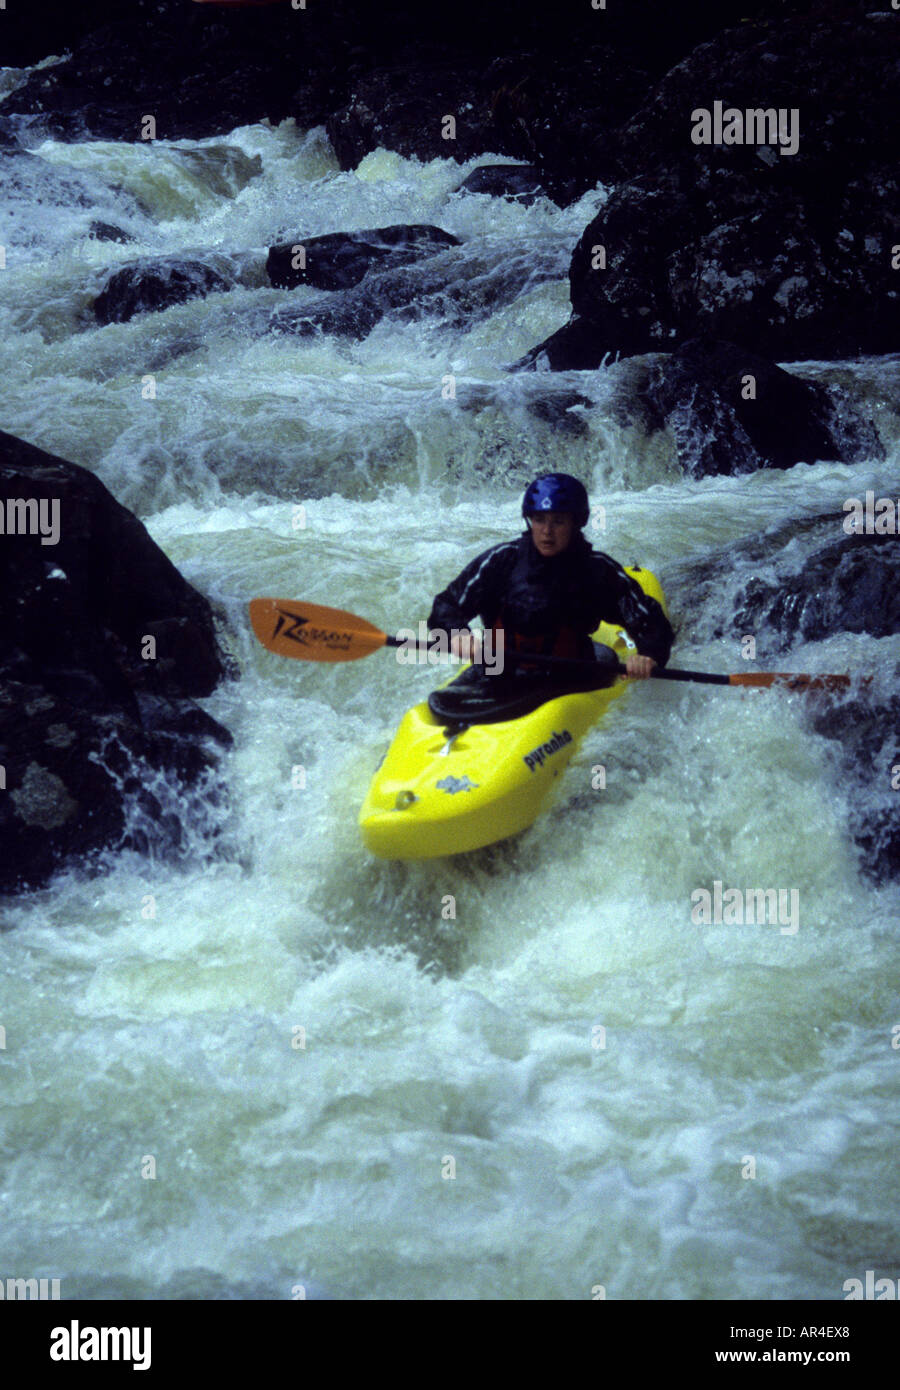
<point x="537" y="755"/>
<point x="300" y="630"/>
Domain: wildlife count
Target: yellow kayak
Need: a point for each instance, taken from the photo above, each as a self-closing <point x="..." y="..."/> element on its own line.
<point x="442" y="789"/>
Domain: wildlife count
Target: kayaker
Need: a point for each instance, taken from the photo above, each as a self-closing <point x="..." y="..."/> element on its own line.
<point x="548" y="590"/>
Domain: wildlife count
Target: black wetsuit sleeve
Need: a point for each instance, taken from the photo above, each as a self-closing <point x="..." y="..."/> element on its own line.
<point x="641" y="616"/>
<point x="478" y="590"/>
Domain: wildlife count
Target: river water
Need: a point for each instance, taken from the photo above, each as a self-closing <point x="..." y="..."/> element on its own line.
<point x="339" y="1087"/>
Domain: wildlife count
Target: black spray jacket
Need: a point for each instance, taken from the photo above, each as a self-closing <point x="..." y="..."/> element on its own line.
<point x="543" y="598"/>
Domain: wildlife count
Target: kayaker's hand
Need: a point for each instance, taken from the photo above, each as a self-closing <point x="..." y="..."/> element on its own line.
<point x="639" y="667"/>
<point x="466" y="645"/>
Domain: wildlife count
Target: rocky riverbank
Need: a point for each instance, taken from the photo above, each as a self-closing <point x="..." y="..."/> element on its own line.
<point x="103" y="649"/>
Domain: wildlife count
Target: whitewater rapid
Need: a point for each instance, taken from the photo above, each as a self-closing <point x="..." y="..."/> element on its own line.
<point x="562" y="1086"/>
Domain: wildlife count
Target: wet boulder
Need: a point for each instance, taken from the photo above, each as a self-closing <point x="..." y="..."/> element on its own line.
<point x="555" y="97"/>
<point x="555" y="411"/>
<point x="554" y="110"/>
<point x="80" y="785"/>
<point x="521" y="183"/>
<point x="103" y="647"/>
<point x="865" y="728"/>
<point x="227" y="68"/>
<point x="851" y="585"/>
<point x="354" y="318"/>
<point x="576" y="347"/>
<point x="732" y="411"/>
<point x="848" y="582"/>
<point x="700" y="249"/>
<point x="405" y="106"/>
<point x="733" y="239"/>
<point x="222" y="169"/>
<point x="339" y="260"/>
<point x="107" y="231"/>
<point x="729" y="410"/>
<point x="9" y="137"/>
<point x="463" y="285"/>
<point x="74" y="558"/>
<point x="564" y="410"/>
<point x="151" y="285"/>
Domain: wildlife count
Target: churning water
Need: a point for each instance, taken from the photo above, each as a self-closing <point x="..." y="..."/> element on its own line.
<point x="339" y="1084"/>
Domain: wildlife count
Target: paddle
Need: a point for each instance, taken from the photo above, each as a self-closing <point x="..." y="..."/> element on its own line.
<point x="312" y="632"/>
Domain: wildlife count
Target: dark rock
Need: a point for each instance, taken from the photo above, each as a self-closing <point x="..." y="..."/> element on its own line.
<point x="81" y="785"/>
<point x="355" y="317"/>
<point x="339" y="260"/>
<point x="59" y="802"/>
<point x="732" y="411"/>
<point x="151" y="285"/>
<point x="227" y="69"/>
<point x="460" y="286"/>
<point x="738" y="241"/>
<point x="878" y="835"/>
<point x="576" y="347"/>
<point x="224" y="169"/>
<point x="405" y="106"/>
<point x="9" y="138"/>
<point x="550" y="107"/>
<point x="105" y="231"/>
<point x="557" y="406"/>
<point x="699" y="393"/>
<point x="784" y="61"/>
<point x="561" y="409"/>
<point x="556" y="98"/>
<point x="559" y="107"/>
<point x="852" y="585"/>
<point x="847" y="585"/>
<point x="865" y="727"/>
<point x="108" y="566"/>
<point x="618" y="277"/>
<point x="519" y="182"/>
<point x="32" y="32"/>
<point x="101" y="645"/>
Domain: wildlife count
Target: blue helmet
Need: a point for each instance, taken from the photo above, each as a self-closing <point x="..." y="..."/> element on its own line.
<point x="557" y="492"/>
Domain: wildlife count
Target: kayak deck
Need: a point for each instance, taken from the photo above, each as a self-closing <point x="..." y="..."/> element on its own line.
<point x="445" y="788"/>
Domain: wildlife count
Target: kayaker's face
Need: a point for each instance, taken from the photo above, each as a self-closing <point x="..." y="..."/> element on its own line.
<point x="551" y="532"/>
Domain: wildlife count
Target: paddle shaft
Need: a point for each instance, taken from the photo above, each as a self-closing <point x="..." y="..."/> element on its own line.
<point x="755" y="679"/>
<point x="568" y="664"/>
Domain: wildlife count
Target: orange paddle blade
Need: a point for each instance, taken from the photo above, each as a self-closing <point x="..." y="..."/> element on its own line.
<point x="310" y="632"/>
<point x="791" y="680"/>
